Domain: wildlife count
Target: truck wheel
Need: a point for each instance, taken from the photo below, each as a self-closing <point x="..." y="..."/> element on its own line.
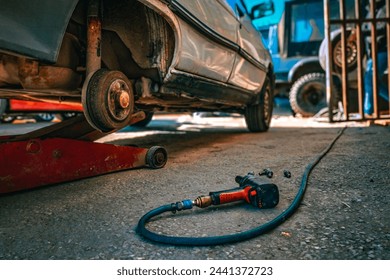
<point x="108" y="100"/>
<point x="308" y="94"/>
<point x="258" y="117"/>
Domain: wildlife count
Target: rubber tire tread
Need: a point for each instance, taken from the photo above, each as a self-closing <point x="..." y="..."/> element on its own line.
<point x="254" y="114"/>
<point x="96" y="108"/>
<point x="295" y="91"/>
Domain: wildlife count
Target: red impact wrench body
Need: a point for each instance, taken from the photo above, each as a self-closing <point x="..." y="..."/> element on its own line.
<point x="255" y="190"/>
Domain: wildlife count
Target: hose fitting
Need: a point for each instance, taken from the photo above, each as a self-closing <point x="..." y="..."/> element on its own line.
<point x="182" y="205"/>
<point x="203" y="201"/>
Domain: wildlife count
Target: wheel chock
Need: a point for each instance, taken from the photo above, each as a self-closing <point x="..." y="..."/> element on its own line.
<point x="39" y="162"/>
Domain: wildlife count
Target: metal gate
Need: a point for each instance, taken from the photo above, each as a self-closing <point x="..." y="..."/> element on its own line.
<point x="349" y="53"/>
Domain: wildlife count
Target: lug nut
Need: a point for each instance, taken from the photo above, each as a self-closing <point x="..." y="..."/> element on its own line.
<point x="287" y="173"/>
<point x="267" y="172"/>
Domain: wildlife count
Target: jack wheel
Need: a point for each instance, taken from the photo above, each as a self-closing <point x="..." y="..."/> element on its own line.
<point x="156" y="157"/>
<point x="108" y="100"/>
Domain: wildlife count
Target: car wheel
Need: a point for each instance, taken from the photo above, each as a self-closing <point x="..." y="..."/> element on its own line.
<point x="351" y="52"/>
<point x="108" y="100"/>
<point x="44" y="117"/>
<point x="258" y="116"/>
<point x="308" y="94"/>
<point x="145" y="121"/>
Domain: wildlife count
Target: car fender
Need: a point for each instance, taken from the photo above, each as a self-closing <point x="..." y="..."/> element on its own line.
<point x="304" y="66"/>
<point x="164" y="10"/>
<point x="38" y="28"/>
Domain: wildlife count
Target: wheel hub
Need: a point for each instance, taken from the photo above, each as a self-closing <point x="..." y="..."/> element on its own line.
<point x="313" y="97"/>
<point x="124" y="99"/>
<point x="119" y="100"/>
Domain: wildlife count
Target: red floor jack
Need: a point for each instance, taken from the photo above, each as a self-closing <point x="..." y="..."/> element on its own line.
<point x="65" y="152"/>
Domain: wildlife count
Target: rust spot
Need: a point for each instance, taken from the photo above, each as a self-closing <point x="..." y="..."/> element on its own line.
<point x="33" y="147"/>
<point x="57" y="154"/>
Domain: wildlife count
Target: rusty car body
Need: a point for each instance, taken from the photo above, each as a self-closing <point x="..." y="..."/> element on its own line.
<point x="122" y="59"/>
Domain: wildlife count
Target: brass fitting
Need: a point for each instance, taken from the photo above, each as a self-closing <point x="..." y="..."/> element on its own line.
<point x="203" y="201"/>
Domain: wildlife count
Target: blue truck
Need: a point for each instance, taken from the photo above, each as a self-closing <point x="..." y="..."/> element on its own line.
<point x="293" y="31"/>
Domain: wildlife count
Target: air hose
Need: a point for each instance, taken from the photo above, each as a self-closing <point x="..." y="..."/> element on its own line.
<point x="231" y="238"/>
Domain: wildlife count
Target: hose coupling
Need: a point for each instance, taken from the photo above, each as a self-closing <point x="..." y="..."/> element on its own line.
<point x="203" y="201"/>
<point x="182" y="205"/>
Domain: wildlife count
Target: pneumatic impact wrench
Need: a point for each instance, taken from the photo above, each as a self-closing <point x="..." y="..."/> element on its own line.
<point x="258" y="191"/>
<point x="255" y="190"/>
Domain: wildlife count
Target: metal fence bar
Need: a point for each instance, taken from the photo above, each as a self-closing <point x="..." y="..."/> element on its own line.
<point x="388" y="46"/>
<point x="344" y="77"/>
<point x="360" y="49"/>
<point x="329" y="66"/>
<point x="374" y="57"/>
<point x="344" y="24"/>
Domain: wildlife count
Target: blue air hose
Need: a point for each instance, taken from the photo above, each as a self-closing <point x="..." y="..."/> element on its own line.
<point x="231" y="238"/>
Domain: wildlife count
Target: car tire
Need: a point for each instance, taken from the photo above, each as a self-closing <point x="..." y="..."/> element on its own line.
<point x="102" y="100"/>
<point x="308" y="94"/>
<point x="258" y="116"/>
<point x="145" y="121"/>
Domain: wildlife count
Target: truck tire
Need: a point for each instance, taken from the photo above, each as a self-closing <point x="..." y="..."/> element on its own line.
<point x="308" y="94"/>
<point x="258" y="116"/>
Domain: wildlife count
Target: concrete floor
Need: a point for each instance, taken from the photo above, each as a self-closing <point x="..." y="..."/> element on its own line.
<point x="344" y="214"/>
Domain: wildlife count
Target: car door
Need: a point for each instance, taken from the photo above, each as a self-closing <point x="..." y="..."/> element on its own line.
<point x="251" y="65"/>
<point x="208" y="38"/>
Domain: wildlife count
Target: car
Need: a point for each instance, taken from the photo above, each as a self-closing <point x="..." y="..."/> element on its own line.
<point x="124" y="60"/>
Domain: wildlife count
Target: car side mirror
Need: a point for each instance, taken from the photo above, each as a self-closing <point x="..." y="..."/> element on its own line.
<point x="262" y="10"/>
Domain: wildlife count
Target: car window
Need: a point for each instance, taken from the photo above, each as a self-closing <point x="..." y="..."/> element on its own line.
<point x="307" y="22"/>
